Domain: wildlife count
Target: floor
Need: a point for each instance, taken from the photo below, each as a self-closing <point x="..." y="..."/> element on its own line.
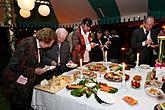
<point x="3" y="103"/>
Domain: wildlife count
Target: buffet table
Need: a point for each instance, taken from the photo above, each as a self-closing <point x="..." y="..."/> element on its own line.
<point x="63" y="100"/>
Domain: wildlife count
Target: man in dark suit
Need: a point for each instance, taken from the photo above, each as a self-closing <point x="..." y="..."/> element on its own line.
<point x="144" y="41"/>
<point x="59" y="54"/>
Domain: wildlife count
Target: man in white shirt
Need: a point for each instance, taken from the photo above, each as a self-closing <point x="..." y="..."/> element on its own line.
<point x="81" y="41"/>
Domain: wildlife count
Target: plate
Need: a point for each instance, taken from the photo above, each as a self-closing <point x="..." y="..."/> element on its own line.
<point x="144" y="66"/>
<point x="49" y="67"/>
<point x="96" y="67"/>
<point x="71" y="65"/>
<point x="153" y="91"/>
<point x="115" y="76"/>
<point x="106" y="97"/>
<point x="90" y="85"/>
<point x="160" y="106"/>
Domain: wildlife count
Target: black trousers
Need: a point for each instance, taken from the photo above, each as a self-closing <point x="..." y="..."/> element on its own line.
<point x="25" y="106"/>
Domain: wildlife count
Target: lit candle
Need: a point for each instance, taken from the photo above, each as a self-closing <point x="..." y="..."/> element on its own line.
<point x="80" y="63"/>
<point x="105" y="56"/>
<point x="123" y="65"/>
<point x="137" y="58"/>
<point x="123" y="78"/>
<point x="81" y="73"/>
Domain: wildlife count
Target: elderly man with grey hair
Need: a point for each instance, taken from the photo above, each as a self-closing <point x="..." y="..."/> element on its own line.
<point x="59" y="54"/>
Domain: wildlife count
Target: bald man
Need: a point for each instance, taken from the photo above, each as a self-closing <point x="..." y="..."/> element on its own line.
<point x="144" y="41"/>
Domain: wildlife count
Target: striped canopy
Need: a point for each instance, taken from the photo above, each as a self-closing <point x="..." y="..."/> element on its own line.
<point x="71" y="12"/>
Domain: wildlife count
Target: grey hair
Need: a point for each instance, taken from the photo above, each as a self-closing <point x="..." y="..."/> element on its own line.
<point x="149" y="17"/>
<point x="61" y="30"/>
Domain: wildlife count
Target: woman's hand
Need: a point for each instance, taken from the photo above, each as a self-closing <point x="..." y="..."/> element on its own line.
<point x="39" y="71"/>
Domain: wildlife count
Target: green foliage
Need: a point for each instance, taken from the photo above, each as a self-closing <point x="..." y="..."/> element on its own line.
<point x="9" y="22"/>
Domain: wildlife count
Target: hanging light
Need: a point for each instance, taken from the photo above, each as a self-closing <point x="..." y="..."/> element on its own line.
<point x="24" y="13"/>
<point x="163" y="26"/>
<point x="142" y="25"/>
<point x="44" y="10"/>
<point x="26" y="4"/>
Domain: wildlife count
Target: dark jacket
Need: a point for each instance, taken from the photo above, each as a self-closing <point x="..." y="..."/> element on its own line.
<point x="96" y="53"/>
<point x="52" y="54"/>
<point x="146" y="53"/>
<point x="23" y="62"/>
<point x="114" y="48"/>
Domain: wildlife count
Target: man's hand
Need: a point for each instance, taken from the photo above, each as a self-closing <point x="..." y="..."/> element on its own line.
<point x="53" y="63"/>
<point x="148" y="42"/>
<point x="154" y="46"/>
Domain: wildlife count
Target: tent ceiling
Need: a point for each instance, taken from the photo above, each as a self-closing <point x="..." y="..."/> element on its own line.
<point x="132" y="7"/>
<point x="71" y="12"/>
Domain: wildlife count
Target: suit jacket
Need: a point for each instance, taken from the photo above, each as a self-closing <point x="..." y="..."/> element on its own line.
<point x="23" y="62"/>
<point x="78" y="45"/>
<point x="52" y="54"/>
<point x="114" y="48"/>
<point x="146" y="53"/>
<point x="96" y="53"/>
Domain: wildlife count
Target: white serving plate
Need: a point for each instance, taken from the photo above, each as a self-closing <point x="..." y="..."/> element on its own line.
<point x="49" y="67"/>
<point x="71" y="65"/>
<point x="144" y="66"/>
<point x="152" y="94"/>
<point x="106" y="97"/>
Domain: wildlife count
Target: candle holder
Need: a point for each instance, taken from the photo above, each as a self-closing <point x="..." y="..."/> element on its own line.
<point x="137" y="65"/>
<point x="105" y="59"/>
<point x="137" y="62"/>
<point x="81" y="73"/>
<point x="123" y="83"/>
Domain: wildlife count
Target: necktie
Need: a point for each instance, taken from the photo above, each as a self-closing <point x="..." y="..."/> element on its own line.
<point x="146" y="34"/>
<point x="39" y="57"/>
<point x="59" y="45"/>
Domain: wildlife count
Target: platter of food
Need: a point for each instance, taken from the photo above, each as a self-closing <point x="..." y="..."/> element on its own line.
<point x="96" y="67"/>
<point x="137" y="77"/>
<point x="115" y="76"/>
<point x="160" y="106"/>
<point x="153" y="83"/>
<point x="130" y="100"/>
<point x="102" y="91"/>
<point x="55" y="84"/>
<point x="115" y="67"/>
<point x="153" y="91"/>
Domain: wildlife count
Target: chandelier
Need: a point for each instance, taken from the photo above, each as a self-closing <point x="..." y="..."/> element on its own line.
<point x="27" y="5"/>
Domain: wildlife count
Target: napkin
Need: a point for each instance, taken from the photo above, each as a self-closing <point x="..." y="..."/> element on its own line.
<point x="22" y="80"/>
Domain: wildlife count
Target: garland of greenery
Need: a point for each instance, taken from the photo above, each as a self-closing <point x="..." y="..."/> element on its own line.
<point x="9" y="21"/>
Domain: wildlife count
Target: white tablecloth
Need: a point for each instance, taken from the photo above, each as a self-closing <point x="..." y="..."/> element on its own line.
<point x="63" y="100"/>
